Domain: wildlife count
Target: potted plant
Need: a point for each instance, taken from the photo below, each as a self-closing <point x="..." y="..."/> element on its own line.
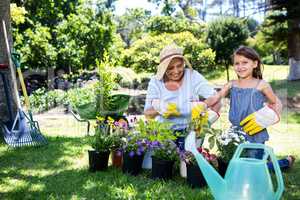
<point x="101" y="143"/>
<point x="199" y="124"/>
<point x="119" y="131"/>
<point x="165" y="153"/>
<point x="133" y="152"/>
<point x="155" y="132"/>
<point x="227" y="143"/>
<point x="194" y="175"/>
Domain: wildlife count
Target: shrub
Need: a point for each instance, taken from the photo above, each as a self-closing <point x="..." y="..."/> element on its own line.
<point x="143" y="56"/>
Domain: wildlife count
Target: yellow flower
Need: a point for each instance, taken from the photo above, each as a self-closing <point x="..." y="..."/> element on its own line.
<point x="197" y="110"/>
<point x="199" y="118"/>
<point x="110" y="120"/>
<point x="100" y="119"/>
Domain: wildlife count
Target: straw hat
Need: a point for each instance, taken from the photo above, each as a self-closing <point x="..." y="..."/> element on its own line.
<point x="166" y="55"/>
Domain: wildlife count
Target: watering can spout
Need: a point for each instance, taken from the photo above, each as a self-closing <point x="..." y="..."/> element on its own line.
<point x="215" y="182"/>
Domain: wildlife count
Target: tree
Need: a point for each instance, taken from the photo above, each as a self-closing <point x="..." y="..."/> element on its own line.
<point x="290" y="13"/>
<point x="168" y="24"/>
<point x="224" y="35"/>
<point x="5" y="15"/>
<point x="131" y="25"/>
<point x="168" y="6"/>
<point x="83" y="37"/>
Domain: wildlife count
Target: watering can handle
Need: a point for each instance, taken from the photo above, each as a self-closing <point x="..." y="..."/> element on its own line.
<point x="279" y="179"/>
<point x="243" y="146"/>
<point x="268" y="152"/>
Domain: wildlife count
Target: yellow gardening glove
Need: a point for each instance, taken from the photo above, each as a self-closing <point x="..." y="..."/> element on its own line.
<point x="259" y="120"/>
<point x="171" y="111"/>
<point x="167" y="110"/>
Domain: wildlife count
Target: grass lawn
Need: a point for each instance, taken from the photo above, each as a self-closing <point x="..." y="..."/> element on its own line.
<point x="60" y="169"/>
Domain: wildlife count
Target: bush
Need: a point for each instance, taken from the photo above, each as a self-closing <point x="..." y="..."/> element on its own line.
<point x="42" y="100"/>
<point x="143" y="56"/>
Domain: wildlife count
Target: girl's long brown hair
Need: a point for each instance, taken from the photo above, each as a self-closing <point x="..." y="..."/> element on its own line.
<point x="252" y="55"/>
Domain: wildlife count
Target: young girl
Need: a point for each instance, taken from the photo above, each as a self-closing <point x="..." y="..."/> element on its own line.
<point x="253" y="104"/>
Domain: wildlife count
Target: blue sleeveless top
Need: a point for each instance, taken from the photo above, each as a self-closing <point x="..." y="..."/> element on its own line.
<point x="243" y="102"/>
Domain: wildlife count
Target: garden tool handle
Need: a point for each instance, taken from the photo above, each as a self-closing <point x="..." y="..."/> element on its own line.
<point x="16" y="60"/>
<point x="279" y="179"/>
<point x="10" y="64"/>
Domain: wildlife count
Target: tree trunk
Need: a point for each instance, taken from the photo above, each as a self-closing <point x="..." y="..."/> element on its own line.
<point x="294" y="48"/>
<point x="227" y="71"/>
<point x="5" y="15"/>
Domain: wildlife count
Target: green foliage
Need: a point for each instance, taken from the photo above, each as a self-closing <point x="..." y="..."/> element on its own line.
<point x="83" y="37"/>
<point x="35" y="47"/>
<point x="167" y="150"/>
<point x="70" y="35"/>
<point x="155" y="131"/>
<point x="50" y="12"/>
<point x="41" y="100"/>
<point x="269" y="42"/>
<point x="225" y="35"/>
<point x="17" y="14"/>
<point x="168" y="6"/>
<point x="131" y="25"/>
<point x="102" y="140"/>
<point x="168" y="24"/>
<point x="160" y="137"/>
<point x="144" y="53"/>
<point x="104" y="86"/>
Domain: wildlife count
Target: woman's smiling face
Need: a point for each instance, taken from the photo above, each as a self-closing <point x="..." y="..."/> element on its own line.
<point x="175" y="69"/>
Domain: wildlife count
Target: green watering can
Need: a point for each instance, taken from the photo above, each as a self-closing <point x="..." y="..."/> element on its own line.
<point x="245" y="178"/>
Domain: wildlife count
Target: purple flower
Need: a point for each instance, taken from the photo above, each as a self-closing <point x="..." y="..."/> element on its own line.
<point x="116" y="123"/>
<point x="131" y="154"/>
<point x="139" y="142"/>
<point x="139" y="153"/>
<point x="119" y="153"/>
<point x="155" y="143"/>
<point x="141" y="149"/>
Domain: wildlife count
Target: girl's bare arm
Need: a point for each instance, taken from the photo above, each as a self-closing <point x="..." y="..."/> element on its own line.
<point x="273" y="101"/>
<point x="213" y="100"/>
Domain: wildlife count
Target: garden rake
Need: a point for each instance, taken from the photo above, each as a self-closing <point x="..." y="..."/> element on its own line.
<point x="24" y="130"/>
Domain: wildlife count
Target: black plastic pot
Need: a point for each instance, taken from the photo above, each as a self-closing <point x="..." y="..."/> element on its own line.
<point x="98" y="161"/>
<point x="194" y="176"/>
<point x="161" y="169"/>
<point x="222" y="166"/>
<point x="132" y="165"/>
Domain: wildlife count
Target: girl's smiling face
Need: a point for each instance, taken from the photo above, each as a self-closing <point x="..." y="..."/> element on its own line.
<point x="243" y="66"/>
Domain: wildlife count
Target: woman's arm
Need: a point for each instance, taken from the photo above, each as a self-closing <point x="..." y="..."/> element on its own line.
<point x="153" y="93"/>
<point x="150" y="113"/>
<point x="273" y="100"/>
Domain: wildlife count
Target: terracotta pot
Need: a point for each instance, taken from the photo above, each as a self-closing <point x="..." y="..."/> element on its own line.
<point x="117" y="159"/>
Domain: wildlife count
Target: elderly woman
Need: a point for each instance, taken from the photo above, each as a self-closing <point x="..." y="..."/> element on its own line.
<point x="175" y="89"/>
